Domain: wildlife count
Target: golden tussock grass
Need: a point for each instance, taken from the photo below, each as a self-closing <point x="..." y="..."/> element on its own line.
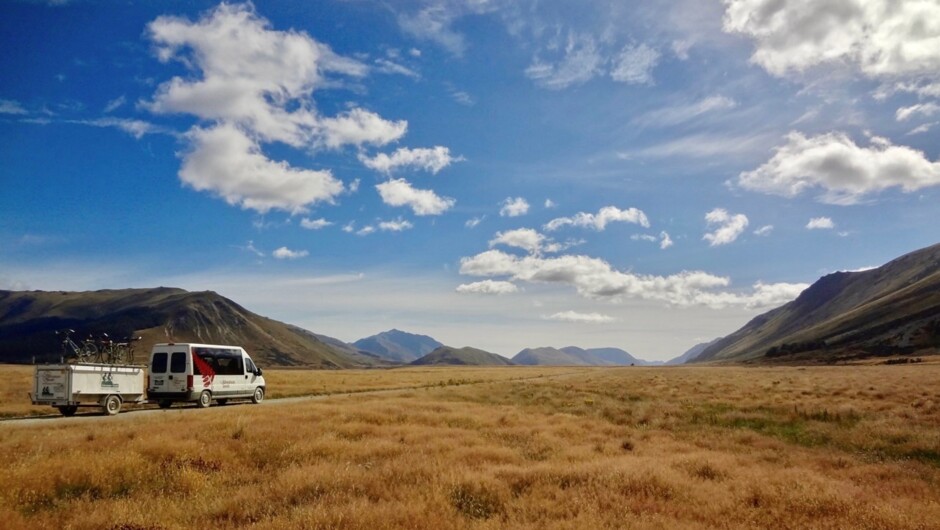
<point x="18" y="379"/>
<point x="847" y="447"/>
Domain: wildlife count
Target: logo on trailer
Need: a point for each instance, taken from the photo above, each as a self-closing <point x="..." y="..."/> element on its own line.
<point x="108" y="382"/>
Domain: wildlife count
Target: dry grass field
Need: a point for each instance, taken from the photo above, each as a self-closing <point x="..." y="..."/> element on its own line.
<point x="703" y="447"/>
<point x="18" y="380"/>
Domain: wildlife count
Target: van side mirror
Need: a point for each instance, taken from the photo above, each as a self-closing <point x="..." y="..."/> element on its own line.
<point x="257" y="371"/>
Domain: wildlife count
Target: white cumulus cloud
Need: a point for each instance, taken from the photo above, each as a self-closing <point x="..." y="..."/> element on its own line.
<point x="524" y="238"/>
<point x="250" y="85"/>
<point x="399" y="192"/>
<point x="600" y="220"/>
<point x="595" y="278"/>
<point x="429" y="159"/>
<point x="514" y="207"/>
<point x="286" y="253"/>
<point x="881" y="38"/>
<point x="845" y="172"/>
<point x="252" y="75"/>
<point x="726" y="227"/>
<point x="358" y="127"/>
<point x="225" y="161"/>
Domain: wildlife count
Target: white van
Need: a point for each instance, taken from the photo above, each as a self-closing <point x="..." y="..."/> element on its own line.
<point x="202" y="373"/>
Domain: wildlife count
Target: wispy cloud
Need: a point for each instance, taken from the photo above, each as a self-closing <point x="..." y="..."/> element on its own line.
<point x="314" y="224"/>
<point x="676" y="114"/>
<point x="574" y="316"/>
<point x="395" y="225"/>
<point x="580" y="61"/>
<point x="764" y="230"/>
<point x="115" y="104"/>
<point x="286" y="253"/>
<point x="634" y="64"/>
<point x="820" y="223"/>
<point x="8" y="106"/>
<point x="488" y="287"/>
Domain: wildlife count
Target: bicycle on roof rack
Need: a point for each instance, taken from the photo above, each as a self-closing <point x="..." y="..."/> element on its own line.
<point x="116" y="352"/>
<point x="87" y="352"/>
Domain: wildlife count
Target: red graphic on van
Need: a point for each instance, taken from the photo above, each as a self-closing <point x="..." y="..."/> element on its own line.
<point x="208" y="374"/>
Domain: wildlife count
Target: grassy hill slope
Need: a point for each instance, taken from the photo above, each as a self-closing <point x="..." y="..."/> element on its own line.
<point x="894" y="308"/>
<point x="29" y="319"/>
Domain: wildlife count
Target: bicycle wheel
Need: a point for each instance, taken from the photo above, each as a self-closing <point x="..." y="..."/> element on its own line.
<point x="118" y="354"/>
<point x="90" y="353"/>
<point x="127" y="354"/>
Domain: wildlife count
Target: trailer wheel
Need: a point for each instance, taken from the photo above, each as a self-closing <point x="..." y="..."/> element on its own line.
<point x="165" y="403"/>
<point x="205" y="399"/>
<point x="68" y="410"/>
<point x="258" y="396"/>
<point x="112" y="405"/>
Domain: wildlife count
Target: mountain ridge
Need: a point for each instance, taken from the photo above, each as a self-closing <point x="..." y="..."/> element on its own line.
<point x="466" y="356"/>
<point x="894" y="308"/>
<point x="29" y="319"/>
<point x="398" y="346"/>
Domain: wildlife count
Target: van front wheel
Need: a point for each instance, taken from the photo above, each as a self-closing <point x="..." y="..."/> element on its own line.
<point x="205" y="399"/>
<point x="258" y="396"/>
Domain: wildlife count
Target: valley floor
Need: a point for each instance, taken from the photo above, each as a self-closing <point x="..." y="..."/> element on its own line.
<point x="722" y="447"/>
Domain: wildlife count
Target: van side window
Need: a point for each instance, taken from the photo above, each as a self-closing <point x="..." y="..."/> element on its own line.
<point x="250" y="367"/>
<point x="229" y="364"/>
<point x="158" y="366"/>
<point x="178" y="362"/>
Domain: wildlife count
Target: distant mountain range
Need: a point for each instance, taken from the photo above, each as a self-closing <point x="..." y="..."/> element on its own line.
<point x="574" y="356"/>
<point x="29" y="319"/>
<point x="398" y="346"/>
<point x="894" y="309"/>
<point x="462" y="356"/>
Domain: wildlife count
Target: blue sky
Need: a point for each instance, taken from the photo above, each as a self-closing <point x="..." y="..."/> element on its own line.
<point x="492" y="173"/>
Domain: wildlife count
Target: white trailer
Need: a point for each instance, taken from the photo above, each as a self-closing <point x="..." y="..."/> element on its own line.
<point x="69" y="386"/>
